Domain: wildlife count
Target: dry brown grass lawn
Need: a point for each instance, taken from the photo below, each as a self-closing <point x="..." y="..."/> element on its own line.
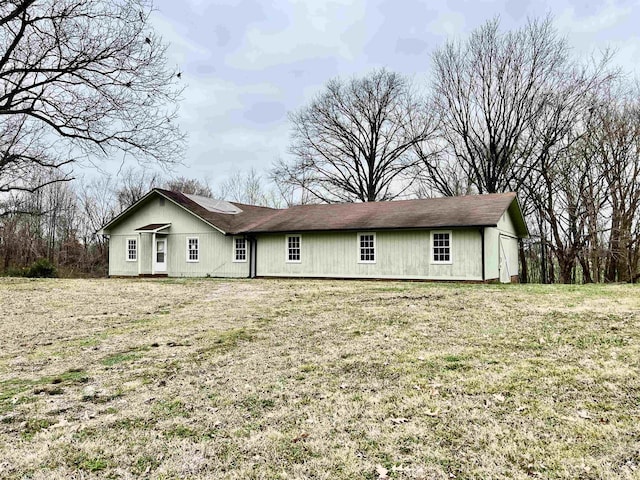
<point x="317" y="379"/>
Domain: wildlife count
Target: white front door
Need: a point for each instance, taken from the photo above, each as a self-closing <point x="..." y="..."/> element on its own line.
<point x="160" y="256"/>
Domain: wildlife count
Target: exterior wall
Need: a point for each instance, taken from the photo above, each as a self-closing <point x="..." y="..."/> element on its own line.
<point x="508" y="258"/>
<point x="216" y="257"/>
<point x="399" y="254"/>
<point x="215" y="249"/>
<point x="505" y="225"/>
<point x="145" y="255"/>
<point x="491" y="253"/>
<point x="501" y="250"/>
<point x="510" y="266"/>
<point x="118" y="265"/>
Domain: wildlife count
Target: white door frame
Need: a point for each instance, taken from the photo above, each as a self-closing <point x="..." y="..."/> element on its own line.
<point x="159" y="267"/>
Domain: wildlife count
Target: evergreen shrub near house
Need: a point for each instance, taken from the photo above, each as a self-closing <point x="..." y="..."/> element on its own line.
<point x="41" y="268"/>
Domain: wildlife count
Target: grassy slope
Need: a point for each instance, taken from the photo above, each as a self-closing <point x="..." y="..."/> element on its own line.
<point x="327" y="380"/>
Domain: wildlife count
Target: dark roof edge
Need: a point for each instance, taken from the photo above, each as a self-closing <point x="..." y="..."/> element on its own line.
<point x="368" y="229"/>
<point x="519" y="222"/>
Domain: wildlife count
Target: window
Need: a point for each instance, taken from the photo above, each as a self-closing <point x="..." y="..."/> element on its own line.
<point x="193" y="252"/>
<point x="161" y="256"/>
<point x="367" y="247"/>
<point x="441" y="247"/>
<point x="293" y="248"/>
<point x="132" y="249"/>
<point x="240" y="249"/>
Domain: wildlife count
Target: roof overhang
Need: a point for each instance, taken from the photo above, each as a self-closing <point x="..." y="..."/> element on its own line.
<point x="153" y="228"/>
<point x="518" y="218"/>
<point x="371" y="228"/>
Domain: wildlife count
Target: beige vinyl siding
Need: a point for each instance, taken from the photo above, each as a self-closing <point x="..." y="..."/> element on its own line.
<point x="399" y="254"/>
<point x="215" y="249"/>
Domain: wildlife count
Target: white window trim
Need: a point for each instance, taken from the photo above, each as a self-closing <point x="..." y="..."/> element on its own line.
<point x="246" y="250"/>
<point x="286" y="248"/>
<point x="126" y="249"/>
<point x="198" y="250"/>
<point x="431" y="260"/>
<point x="375" y="248"/>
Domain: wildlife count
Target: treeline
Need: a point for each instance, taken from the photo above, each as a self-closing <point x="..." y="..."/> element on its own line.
<point x="583" y="202"/>
<point x="501" y="111"/>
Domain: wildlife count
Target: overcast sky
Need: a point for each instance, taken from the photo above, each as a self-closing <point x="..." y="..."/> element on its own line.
<point x="247" y="63"/>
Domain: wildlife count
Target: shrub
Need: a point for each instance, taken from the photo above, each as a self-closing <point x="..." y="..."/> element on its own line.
<point x="15" y="272"/>
<point x="41" y="268"/>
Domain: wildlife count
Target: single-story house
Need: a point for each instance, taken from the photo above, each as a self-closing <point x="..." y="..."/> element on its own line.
<point x="467" y="238"/>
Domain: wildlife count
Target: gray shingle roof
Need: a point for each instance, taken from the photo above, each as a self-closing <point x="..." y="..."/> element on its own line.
<point x="466" y="211"/>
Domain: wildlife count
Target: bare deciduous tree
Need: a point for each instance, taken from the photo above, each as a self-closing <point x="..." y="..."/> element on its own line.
<point x="189" y="185"/>
<point x="587" y="196"/>
<point x="615" y="143"/>
<point x="250" y="188"/>
<point x="507" y="100"/>
<point x="97" y="203"/>
<point x="512" y="107"/>
<point x="80" y="80"/>
<point x="133" y="184"/>
<point x="354" y="141"/>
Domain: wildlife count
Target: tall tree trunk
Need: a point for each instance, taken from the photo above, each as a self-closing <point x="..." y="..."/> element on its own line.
<point x="586" y="268"/>
<point x="614" y="251"/>
<point x="566" y="263"/>
<point x="524" y="270"/>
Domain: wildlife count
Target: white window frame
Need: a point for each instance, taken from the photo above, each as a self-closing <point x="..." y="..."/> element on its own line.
<point x="234" y="258"/>
<point x="359" y="247"/>
<point x="126" y="249"/>
<point x="432" y="247"/>
<point x="189" y="260"/>
<point x="286" y="247"/>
